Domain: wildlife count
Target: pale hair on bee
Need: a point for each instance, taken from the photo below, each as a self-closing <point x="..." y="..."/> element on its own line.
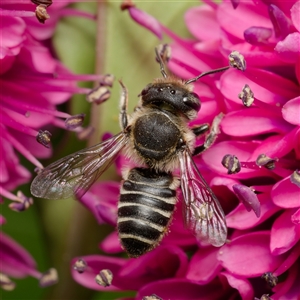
<point x="158" y="139"/>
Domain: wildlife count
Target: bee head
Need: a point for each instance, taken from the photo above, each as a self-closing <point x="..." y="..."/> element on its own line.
<point x="171" y="96"/>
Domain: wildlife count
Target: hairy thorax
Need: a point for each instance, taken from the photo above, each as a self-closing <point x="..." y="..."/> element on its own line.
<point x="156" y="136"/>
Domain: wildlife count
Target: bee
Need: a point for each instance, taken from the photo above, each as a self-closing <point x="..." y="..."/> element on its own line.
<point x="158" y="139"/>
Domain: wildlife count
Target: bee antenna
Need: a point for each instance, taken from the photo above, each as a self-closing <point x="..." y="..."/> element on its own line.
<point x="206" y="73"/>
<point x="161" y="63"/>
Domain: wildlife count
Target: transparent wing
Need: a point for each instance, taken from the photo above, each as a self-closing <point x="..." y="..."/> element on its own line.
<point x="203" y="213"/>
<point x="75" y="173"/>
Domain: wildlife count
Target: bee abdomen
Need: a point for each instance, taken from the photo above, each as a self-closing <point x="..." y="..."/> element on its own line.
<point x="145" y="210"/>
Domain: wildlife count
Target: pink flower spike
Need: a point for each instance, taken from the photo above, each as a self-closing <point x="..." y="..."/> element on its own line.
<point x="247" y="196"/>
<point x="289" y="48"/>
<point x="286" y="194"/>
<point x="284" y="233"/>
<point x="242" y="285"/>
<point x="144" y="19"/>
<point x="111" y="244"/>
<point x="291" y="111"/>
<point x="252" y="246"/>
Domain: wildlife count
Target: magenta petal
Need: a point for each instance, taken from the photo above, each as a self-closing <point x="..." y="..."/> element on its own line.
<point x="262" y="121"/>
<point x="111" y="243"/>
<point x="279" y="20"/>
<point x="249" y="255"/>
<point x="295" y="15"/>
<point x="96" y="263"/>
<point x="289" y="48"/>
<point x="242" y="285"/>
<point x="146" y="20"/>
<point x="148" y="267"/>
<point x="199" y="18"/>
<point x="15" y="260"/>
<point x="291" y="111"/>
<point x="204" y="265"/>
<point x="247" y="197"/>
<point x="296" y="217"/>
<point x="178" y="289"/>
<point x="286" y="194"/>
<point x="289" y="261"/>
<point x="289" y="289"/>
<point x="241" y="219"/>
<point x="284" y="233"/>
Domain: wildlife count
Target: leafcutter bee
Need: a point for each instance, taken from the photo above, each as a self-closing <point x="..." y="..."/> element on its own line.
<point x="156" y="136"/>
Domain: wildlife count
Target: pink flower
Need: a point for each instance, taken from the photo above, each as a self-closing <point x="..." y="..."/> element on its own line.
<point x="261" y="129"/>
<point x="33" y="83"/>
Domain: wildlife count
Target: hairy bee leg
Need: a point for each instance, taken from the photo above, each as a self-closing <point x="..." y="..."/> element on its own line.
<point x="123" y="117"/>
<point x="211" y="137"/>
<point x="201" y="129"/>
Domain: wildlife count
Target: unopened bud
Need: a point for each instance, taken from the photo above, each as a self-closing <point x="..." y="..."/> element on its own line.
<point x="237" y="60"/>
<point x="44" y="138"/>
<point x="104" y="278"/>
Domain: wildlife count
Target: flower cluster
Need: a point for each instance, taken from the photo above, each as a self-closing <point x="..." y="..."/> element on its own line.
<point x="33" y="82"/>
<point x="259" y="145"/>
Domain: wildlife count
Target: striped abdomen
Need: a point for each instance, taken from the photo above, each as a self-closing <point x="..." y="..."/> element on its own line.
<point x="145" y="209"/>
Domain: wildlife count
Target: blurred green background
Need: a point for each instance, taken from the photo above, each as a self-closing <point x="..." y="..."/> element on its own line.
<point x="55" y="231"/>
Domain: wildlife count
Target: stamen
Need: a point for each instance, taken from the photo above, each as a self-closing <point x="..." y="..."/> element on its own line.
<point x="74" y="121"/>
<point x="270" y="278"/>
<point x="48" y="278"/>
<point x="152" y="297"/>
<point x="23" y="202"/>
<point x="85" y="133"/>
<point x="104" y="278"/>
<point x="80" y="265"/>
<point x="231" y="163"/>
<point x="98" y="95"/>
<point x="265" y="161"/>
<point x="246" y="95"/>
<point x="295" y="178"/>
<point x="44" y="138"/>
<point x="5" y="283"/>
<point x="41" y="13"/>
<point x="237" y="60"/>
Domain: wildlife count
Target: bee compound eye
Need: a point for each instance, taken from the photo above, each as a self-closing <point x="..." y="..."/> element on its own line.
<point x="192" y="101"/>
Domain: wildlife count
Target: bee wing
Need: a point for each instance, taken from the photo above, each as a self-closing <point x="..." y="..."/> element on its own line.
<point x="75" y="173"/>
<point x="203" y="213"/>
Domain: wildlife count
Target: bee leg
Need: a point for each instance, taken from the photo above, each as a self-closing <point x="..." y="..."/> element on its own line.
<point x="123" y="117"/>
<point x="201" y="129"/>
<point x="212" y="135"/>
